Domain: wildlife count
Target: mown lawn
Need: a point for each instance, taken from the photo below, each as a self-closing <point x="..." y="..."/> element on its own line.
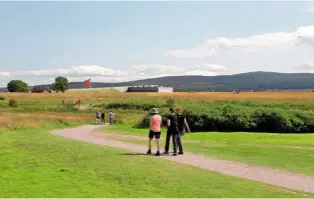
<point x="219" y="145"/>
<point x="34" y="163"/>
<point x="277" y="139"/>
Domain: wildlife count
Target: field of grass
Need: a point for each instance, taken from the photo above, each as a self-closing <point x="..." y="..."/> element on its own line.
<point x="258" y="149"/>
<point x="35" y="163"/>
<point x="266" y="139"/>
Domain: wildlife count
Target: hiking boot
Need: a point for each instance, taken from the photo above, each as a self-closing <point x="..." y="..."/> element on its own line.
<point x="166" y="152"/>
<point x="157" y="154"/>
<point x="149" y="151"/>
<point x="180" y="153"/>
<point x="174" y="154"/>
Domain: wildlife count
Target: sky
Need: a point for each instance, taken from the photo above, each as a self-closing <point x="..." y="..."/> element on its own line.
<point x="124" y="41"/>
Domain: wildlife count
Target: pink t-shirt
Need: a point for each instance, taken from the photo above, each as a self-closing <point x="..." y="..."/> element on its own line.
<point x="155" y="123"/>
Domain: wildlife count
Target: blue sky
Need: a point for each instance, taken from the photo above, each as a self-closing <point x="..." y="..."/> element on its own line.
<point x="121" y="41"/>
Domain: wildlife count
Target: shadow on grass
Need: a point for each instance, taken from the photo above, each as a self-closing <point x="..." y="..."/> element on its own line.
<point x="141" y="154"/>
<point x="133" y="154"/>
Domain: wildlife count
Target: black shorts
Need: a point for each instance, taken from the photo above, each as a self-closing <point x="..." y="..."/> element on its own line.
<point x="153" y="134"/>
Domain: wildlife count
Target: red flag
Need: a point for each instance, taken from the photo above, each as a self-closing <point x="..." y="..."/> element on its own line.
<point x="87" y="83"/>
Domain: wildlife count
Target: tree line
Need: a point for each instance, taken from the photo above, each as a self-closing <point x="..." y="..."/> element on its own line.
<point x="61" y="84"/>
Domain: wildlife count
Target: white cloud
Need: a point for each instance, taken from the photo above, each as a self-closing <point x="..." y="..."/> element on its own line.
<point x="306" y="67"/>
<point x="254" y="43"/>
<point x="29" y="83"/>
<point x="213" y="67"/>
<point x="200" y="72"/>
<point x="155" y="70"/>
<point x="104" y="74"/>
<point x="93" y="70"/>
<point x="309" y="9"/>
<point x="5" y="74"/>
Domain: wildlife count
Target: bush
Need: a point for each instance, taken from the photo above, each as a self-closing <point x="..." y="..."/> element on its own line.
<point x="67" y="107"/>
<point x="17" y="86"/>
<point x="140" y="106"/>
<point x="229" y="117"/>
<point x="13" y="103"/>
<point x="170" y="102"/>
<point x="2" y="98"/>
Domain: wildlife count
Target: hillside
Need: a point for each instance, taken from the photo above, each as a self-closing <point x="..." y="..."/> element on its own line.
<point x="243" y="81"/>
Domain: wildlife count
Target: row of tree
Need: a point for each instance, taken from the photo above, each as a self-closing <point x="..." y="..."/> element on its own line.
<point x="60" y="85"/>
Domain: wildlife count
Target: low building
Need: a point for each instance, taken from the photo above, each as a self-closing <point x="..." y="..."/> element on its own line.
<point x="150" y="88"/>
<point x="40" y="90"/>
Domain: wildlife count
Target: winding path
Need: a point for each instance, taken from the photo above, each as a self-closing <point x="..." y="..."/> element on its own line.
<point x="242" y="170"/>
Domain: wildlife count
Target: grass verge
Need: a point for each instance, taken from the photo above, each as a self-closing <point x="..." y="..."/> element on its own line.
<point x="34" y="163"/>
<point x="218" y="145"/>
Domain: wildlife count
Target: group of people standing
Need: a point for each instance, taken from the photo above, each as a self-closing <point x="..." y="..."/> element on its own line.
<point x="100" y="117"/>
<point x="176" y="126"/>
<point x="76" y="103"/>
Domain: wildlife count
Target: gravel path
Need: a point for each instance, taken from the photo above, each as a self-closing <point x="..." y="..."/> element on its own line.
<point x="242" y="170"/>
<point x="83" y="107"/>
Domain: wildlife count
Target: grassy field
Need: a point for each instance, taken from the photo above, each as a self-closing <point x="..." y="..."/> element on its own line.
<point x="34" y="163"/>
<point x="96" y="94"/>
<point x="258" y="149"/>
<point x="271" y="139"/>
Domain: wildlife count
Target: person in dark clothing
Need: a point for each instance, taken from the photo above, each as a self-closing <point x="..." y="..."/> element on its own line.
<point x="103" y="118"/>
<point x="173" y="131"/>
<point x="182" y="126"/>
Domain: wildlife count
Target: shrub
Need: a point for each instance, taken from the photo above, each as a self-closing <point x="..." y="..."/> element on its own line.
<point x="232" y="117"/>
<point x="17" y="86"/>
<point x="2" y="98"/>
<point x="125" y="105"/>
<point x="13" y="103"/>
<point x="170" y="102"/>
<point x="68" y="107"/>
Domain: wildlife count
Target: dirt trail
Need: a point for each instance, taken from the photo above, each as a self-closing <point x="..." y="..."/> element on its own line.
<point x="242" y="170"/>
<point x="83" y="107"/>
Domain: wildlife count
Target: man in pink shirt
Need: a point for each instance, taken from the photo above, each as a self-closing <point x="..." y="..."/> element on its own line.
<point x="154" y="130"/>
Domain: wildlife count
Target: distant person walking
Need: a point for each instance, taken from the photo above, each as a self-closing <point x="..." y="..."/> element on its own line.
<point x="111" y="117"/>
<point x="182" y="126"/>
<point x="173" y="131"/>
<point x="103" y="118"/>
<point x="154" y="131"/>
<point x="97" y="118"/>
<point x="79" y="103"/>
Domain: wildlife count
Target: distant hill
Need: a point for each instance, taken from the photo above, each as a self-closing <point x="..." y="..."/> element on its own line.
<point x="244" y="81"/>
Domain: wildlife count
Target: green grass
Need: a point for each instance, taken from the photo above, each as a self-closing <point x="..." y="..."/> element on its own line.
<point x="229" y="146"/>
<point x="306" y="140"/>
<point x="34" y="163"/>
